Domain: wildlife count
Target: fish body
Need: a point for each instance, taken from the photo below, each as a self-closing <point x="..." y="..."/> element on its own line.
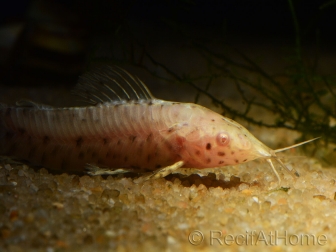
<point x="125" y="127"/>
<point x="144" y="135"/>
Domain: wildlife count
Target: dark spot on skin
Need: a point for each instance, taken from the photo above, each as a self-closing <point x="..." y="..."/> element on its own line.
<point x="105" y="141"/>
<point x="79" y="142"/>
<point x="81" y="155"/>
<point x="150" y="103"/>
<point x="83" y="120"/>
<point x="221" y="153"/>
<point x="132" y="138"/>
<point x="221" y="162"/>
<point x="197" y="152"/>
<point x="119" y="142"/>
<point x="126" y="159"/>
<point x="149" y="138"/>
<point x="245" y="160"/>
<point x="208" y="160"/>
<point x="170" y="130"/>
<point x="208" y="146"/>
<point x="236" y="160"/>
<point x="46" y="140"/>
<point x="212" y="120"/>
<point x="148" y="158"/>
<point x="232" y="152"/>
<point x="158" y="166"/>
<point x="161" y="106"/>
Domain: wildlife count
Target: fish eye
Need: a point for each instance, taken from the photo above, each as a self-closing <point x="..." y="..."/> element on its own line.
<point x="223" y="139"/>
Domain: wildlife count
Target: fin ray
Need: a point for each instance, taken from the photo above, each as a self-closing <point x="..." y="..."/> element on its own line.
<point x="111" y="83"/>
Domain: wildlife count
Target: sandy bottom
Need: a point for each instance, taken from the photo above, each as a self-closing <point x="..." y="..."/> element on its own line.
<point x="241" y="208"/>
<point x="226" y="209"/>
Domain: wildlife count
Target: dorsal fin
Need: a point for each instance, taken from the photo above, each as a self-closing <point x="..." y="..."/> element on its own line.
<point x="111" y="83"/>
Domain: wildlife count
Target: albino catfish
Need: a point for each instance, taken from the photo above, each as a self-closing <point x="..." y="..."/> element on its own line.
<point x="126" y="129"/>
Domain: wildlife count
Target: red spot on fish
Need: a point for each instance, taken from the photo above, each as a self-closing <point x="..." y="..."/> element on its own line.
<point x="179" y="142"/>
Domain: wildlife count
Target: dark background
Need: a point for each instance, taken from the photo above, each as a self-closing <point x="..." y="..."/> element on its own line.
<point x="52" y="42"/>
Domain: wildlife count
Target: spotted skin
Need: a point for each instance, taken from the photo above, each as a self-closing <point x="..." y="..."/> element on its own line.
<point x="143" y="135"/>
<point x="132" y="130"/>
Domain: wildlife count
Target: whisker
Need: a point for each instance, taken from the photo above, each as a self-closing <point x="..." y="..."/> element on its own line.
<point x="295" y="145"/>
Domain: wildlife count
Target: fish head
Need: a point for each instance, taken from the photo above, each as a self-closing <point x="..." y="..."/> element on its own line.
<point x="221" y="141"/>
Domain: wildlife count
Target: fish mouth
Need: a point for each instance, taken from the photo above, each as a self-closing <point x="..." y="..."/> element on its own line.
<point x="270" y="155"/>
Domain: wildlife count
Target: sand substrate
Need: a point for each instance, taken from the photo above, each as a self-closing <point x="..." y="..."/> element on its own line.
<point x="228" y="209"/>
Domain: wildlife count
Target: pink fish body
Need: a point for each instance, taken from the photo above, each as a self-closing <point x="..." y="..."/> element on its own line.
<point x="127" y="128"/>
